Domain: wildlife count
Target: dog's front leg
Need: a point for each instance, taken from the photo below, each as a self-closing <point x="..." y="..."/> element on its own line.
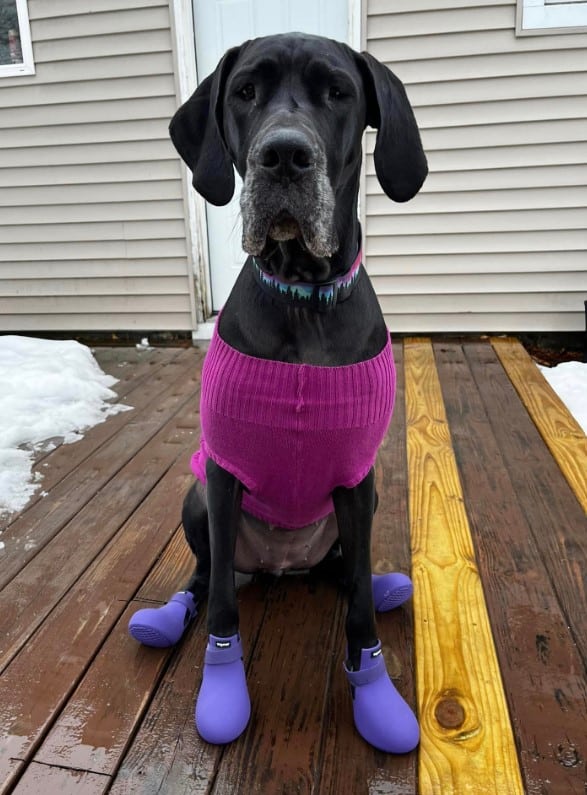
<point x="354" y="514"/>
<point x="223" y="706"/>
<point x="224" y="499"/>
<point x="381" y="715"/>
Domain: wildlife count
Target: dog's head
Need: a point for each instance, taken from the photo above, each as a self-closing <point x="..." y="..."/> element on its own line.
<point x="289" y="112"/>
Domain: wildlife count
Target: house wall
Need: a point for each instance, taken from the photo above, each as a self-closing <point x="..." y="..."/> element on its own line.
<point x="92" y="217"/>
<point x="496" y="240"/>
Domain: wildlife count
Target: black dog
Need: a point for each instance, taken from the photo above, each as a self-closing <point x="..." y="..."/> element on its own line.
<point x="289" y="113"/>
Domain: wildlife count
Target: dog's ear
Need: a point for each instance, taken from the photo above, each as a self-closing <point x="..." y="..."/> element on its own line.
<point x="196" y="132"/>
<point x="400" y="162"/>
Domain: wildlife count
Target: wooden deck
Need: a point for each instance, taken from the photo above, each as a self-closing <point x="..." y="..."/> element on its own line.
<point x="482" y="483"/>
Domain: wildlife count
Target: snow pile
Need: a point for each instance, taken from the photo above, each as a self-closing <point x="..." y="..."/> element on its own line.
<point x="48" y="389"/>
<point x="569" y="381"/>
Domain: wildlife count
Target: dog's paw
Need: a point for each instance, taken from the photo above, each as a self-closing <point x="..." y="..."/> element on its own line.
<point x="391" y="590"/>
<point x="163" y="626"/>
<point x="381" y="715"/>
<point x="223" y="706"/>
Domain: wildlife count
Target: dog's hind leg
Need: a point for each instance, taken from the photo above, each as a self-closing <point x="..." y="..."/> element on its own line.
<point x="381" y="715"/>
<point x="164" y="626"/>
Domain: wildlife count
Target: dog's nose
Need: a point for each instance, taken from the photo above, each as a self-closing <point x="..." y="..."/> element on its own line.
<point x="286" y="153"/>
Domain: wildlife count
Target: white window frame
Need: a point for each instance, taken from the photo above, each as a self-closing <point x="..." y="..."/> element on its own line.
<point x="540" y="17"/>
<point x="27" y="67"/>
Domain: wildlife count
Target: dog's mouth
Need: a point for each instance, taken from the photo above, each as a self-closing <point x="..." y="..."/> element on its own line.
<point x="263" y="228"/>
<point x="284" y="227"/>
<point x="274" y="212"/>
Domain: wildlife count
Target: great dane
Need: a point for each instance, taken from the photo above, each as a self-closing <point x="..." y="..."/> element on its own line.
<point x="298" y="383"/>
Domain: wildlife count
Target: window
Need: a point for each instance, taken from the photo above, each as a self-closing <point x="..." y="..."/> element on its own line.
<point x="16" y="51"/>
<point x="537" y="17"/>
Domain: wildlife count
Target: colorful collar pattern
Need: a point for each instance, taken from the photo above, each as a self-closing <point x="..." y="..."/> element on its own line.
<point x="322" y="296"/>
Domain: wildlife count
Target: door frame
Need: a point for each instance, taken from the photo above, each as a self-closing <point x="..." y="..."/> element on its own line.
<point x="186" y="79"/>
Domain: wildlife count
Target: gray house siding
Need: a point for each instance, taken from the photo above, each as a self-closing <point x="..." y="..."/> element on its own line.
<point x="92" y="218"/>
<point x="496" y="240"/>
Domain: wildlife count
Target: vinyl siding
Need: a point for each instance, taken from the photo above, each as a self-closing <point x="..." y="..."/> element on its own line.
<point x="92" y="229"/>
<point x="496" y="240"/>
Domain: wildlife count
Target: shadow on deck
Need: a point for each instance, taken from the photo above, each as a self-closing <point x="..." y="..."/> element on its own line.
<point x="496" y="545"/>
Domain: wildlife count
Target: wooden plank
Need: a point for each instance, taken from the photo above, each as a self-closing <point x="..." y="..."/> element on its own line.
<point x="37" y="683"/>
<point x="60" y="781"/>
<point x="559" y="429"/>
<point x="467" y="741"/>
<point x="540" y="664"/>
<point x="32" y="594"/>
<point x="556" y="518"/>
<point x="167" y="755"/>
<point x="33" y="530"/>
<point x="390" y="551"/>
<point x="288" y="678"/>
<point x="95" y="728"/>
<point x="172" y="570"/>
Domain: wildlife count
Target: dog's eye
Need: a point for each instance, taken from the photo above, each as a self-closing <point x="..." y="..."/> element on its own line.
<point x="247" y="92"/>
<point x="335" y="93"/>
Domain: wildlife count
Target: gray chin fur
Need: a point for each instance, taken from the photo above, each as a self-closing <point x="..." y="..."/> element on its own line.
<point x="310" y="202"/>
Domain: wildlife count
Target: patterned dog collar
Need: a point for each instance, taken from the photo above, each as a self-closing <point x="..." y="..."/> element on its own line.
<point x="323" y="296"/>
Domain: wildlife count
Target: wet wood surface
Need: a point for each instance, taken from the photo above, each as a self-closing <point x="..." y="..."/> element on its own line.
<point x="540" y="663"/>
<point x="85" y="708"/>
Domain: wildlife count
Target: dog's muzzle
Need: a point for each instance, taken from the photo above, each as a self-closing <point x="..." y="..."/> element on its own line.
<point x="287" y="193"/>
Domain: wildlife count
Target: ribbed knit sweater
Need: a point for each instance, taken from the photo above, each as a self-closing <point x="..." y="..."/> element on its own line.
<point x="292" y="433"/>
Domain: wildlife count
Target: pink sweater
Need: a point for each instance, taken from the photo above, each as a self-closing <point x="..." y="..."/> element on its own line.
<point x="291" y="433"/>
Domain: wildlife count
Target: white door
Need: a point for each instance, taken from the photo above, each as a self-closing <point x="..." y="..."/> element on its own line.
<point x="220" y="24"/>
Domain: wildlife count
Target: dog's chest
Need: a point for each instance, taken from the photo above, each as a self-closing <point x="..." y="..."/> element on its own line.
<point x="293" y="433"/>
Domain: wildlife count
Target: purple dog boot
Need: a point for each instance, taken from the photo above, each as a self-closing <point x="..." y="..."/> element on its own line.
<point x="163" y="626"/>
<point x="381" y="715"/>
<point x="223" y="706"/>
<point x="390" y="590"/>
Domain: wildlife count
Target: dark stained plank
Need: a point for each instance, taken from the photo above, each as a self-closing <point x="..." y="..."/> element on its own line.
<point x="60" y="781"/>
<point x="350" y="766"/>
<point x="174" y="568"/>
<point x="288" y="679"/>
<point x="555" y="518"/>
<point x="46" y="518"/>
<point x="94" y="729"/>
<point x="38" y="682"/>
<point x="131" y="365"/>
<point x="167" y="754"/>
<point x="541" y="668"/>
<point x="29" y="597"/>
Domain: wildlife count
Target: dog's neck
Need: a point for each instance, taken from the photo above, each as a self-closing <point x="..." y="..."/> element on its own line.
<point x="322" y="296"/>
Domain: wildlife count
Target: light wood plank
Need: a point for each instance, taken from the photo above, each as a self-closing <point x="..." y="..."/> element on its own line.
<point x="559" y="429"/>
<point x="467" y="741"/>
